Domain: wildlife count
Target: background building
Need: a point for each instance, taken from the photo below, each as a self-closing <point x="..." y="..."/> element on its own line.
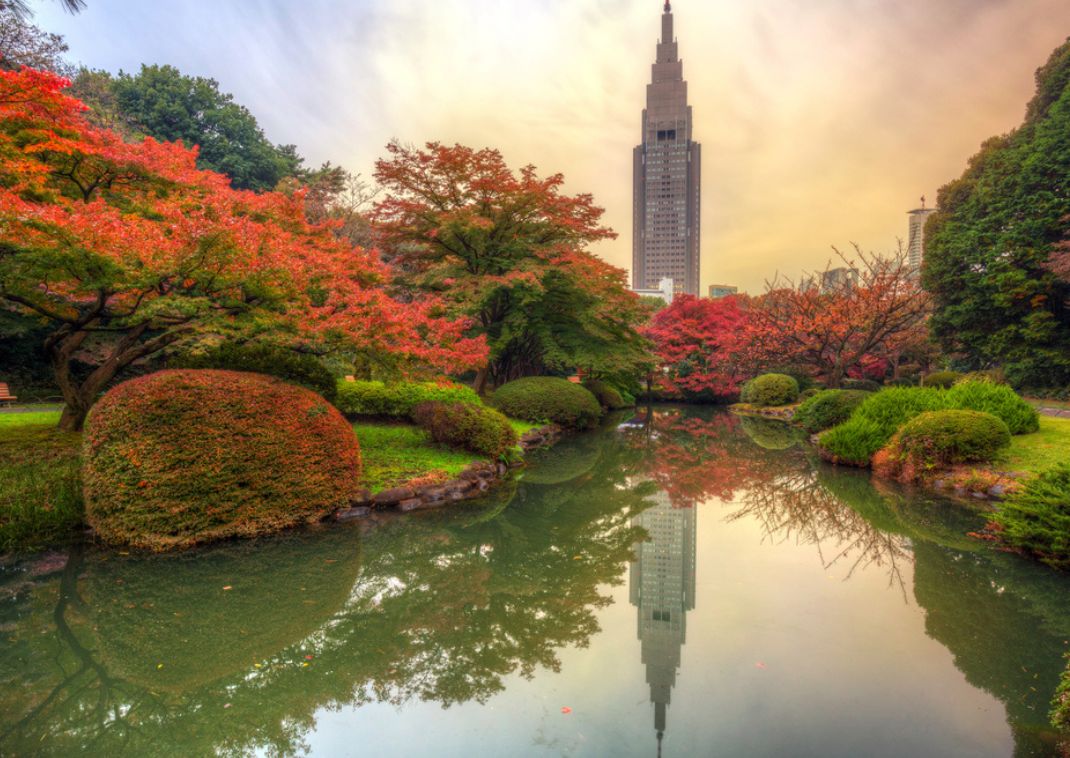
<point x="916" y="234"/>
<point x="667" y="178"/>
<point x="717" y="291"/>
<point x="664" y="290"/>
<point x="661" y="584"/>
<point x="836" y="279"/>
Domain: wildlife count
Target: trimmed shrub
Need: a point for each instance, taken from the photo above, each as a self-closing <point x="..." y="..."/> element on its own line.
<point x="993" y="375"/>
<point x="854" y="442"/>
<point x="398" y="400"/>
<point x="941" y="438"/>
<point x="807" y="394"/>
<point x="182" y="457"/>
<point x="547" y="398"/>
<point x="1036" y="519"/>
<point x="290" y="366"/>
<point x="828" y="408"/>
<point x="770" y="389"/>
<point x="862" y="385"/>
<point x="941" y="379"/>
<point x="608" y="396"/>
<point x="904" y="381"/>
<point x="875" y="421"/>
<point x="472" y="427"/>
<point x="997" y="399"/>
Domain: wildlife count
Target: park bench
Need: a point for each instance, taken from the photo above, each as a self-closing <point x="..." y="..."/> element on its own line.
<point x="5" y="395"/>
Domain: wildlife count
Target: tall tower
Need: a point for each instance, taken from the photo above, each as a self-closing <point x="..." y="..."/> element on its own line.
<point x="667" y="172"/>
<point x="916" y="238"/>
<point x="661" y="585"/>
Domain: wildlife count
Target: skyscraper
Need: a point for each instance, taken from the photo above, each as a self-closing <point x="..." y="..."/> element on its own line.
<point x="661" y="585"/>
<point x="667" y="173"/>
<point x="916" y="240"/>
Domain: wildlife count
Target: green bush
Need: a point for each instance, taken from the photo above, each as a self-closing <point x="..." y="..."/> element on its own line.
<point x="997" y="399"/>
<point x="608" y="396"/>
<point x="828" y="408"/>
<point x="546" y="398"/>
<point x="290" y="366"/>
<point x="875" y="421"/>
<point x="770" y="389"/>
<point x="182" y="457"/>
<point x="940" y="438"/>
<point x="993" y="375"/>
<point x="399" y="399"/>
<point x="941" y="379"/>
<point x="854" y="442"/>
<point x="904" y="381"/>
<point x="809" y="393"/>
<point x="863" y="385"/>
<point x="465" y="425"/>
<point x="1037" y="518"/>
<point x="1060" y="704"/>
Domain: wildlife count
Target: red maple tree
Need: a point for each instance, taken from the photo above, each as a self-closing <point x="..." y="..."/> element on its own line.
<point x="128" y="249"/>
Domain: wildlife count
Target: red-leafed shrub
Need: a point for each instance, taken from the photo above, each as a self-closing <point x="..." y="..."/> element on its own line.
<point x="183" y="457"/>
<point x="471" y="427"/>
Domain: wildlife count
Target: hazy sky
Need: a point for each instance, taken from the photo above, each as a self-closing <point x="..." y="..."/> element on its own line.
<point x="822" y="121"/>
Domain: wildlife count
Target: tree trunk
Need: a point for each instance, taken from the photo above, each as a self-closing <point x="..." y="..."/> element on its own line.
<point x="480" y="384"/>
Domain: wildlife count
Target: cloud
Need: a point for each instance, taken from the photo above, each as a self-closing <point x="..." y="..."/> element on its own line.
<point x="822" y="121"/>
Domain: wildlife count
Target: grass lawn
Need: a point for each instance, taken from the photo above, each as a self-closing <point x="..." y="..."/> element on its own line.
<point x="521" y="427"/>
<point x="392" y="454"/>
<point x="40" y="484"/>
<point x="1032" y="453"/>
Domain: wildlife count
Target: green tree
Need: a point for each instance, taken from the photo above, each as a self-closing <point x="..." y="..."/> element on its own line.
<point x="997" y="301"/>
<point x="164" y="103"/>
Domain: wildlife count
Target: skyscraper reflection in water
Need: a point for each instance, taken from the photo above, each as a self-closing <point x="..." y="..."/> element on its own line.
<point x="662" y="586"/>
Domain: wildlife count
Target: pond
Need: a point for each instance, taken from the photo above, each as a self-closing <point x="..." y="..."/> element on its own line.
<point x="680" y="581"/>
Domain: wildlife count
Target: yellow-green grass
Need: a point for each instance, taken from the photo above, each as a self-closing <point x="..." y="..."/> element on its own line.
<point x="40" y="482"/>
<point x="392" y="454"/>
<point x="1033" y="453"/>
<point x="522" y="427"/>
<point x="49" y="415"/>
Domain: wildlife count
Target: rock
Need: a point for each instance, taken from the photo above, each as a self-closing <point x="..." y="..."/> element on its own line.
<point x="395" y="495"/>
<point x="979" y="495"/>
<point x="411" y="504"/>
<point x="363" y="497"/>
<point x="997" y="491"/>
<point x="349" y="514"/>
<point x="432" y="493"/>
<point x="451" y="488"/>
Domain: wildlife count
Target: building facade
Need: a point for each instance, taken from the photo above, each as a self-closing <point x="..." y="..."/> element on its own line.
<point x="717" y="291"/>
<point x="667" y="170"/>
<point x="916" y="235"/>
<point x="664" y="290"/>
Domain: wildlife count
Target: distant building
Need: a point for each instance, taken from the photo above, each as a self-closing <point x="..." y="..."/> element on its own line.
<point x="717" y="291"/>
<point x="666" y="178"/>
<point x="916" y="234"/>
<point x="664" y="290"/>
<point x="837" y="279"/>
<point x="661" y="585"/>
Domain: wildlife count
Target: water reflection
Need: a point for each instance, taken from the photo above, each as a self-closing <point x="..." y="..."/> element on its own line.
<point x="662" y="587"/>
<point x="244" y="647"/>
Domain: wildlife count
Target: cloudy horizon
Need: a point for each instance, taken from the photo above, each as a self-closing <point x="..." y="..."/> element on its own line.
<point x="822" y="122"/>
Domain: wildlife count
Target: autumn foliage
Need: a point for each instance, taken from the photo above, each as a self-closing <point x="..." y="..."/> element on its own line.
<point x="126" y="249"/>
<point x="183" y="457"/>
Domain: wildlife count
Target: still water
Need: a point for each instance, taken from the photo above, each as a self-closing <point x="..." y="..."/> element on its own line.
<point x="681" y="580"/>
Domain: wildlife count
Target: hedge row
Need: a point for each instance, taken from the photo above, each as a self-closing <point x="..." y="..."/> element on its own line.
<point x="372" y="398"/>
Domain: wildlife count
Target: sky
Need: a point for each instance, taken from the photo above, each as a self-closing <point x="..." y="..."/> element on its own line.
<point x="822" y="122"/>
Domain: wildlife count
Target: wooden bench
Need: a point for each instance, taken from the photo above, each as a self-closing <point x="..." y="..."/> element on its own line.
<point x="5" y="394"/>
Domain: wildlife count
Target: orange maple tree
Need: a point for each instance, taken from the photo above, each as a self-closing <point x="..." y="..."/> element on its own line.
<point x="129" y="249"/>
<point x="835" y="332"/>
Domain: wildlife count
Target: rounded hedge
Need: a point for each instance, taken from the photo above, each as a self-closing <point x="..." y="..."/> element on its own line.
<point x="941" y="379"/>
<point x="828" y="408"/>
<point x="547" y="398"/>
<point x="863" y="385"/>
<point x="940" y="438"/>
<point x="397" y="400"/>
<point x="290" y="366"/>
<point x="472" y="427"/>
<point x="997" y="399"/>
<point x="608" y="396"/>
<point x="182" y="457"/>
<point x="770" y="389"/>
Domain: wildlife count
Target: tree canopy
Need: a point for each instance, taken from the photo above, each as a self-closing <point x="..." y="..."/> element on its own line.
<point x="509" y="250"/>
<point x="998" y="301"/>
<point x="125" y="249"/>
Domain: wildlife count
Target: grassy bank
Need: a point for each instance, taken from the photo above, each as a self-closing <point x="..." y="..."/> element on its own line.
<point x="40" y="485"/>
<point x="392" y="454"/>
<point x="1041" y="450"/>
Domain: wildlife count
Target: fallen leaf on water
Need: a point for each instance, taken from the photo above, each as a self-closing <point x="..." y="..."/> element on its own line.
<point x="227" y="587"/>
<point x="308" y="657"/>
<point x="759" y="665"/>
<point x="566" y="709"/>
<point x="226" y="705"/>
<point x="159" y="666"/>
<point x="304" y="665"/>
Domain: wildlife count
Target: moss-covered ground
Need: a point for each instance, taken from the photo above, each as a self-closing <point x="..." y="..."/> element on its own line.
<point x="1033" y="453"/>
